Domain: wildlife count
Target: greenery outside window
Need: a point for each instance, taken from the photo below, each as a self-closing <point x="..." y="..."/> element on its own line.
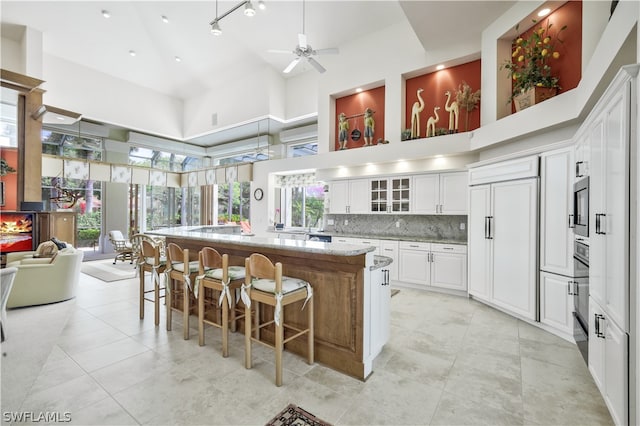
<point x="303" y="206"/>
<point x="234" y="202"/>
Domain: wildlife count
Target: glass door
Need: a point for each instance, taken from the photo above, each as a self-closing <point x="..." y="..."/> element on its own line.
<point x="400" y="190"/>
<point x="379" y="195"/>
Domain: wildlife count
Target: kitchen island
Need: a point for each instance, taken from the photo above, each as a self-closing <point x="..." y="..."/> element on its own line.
<point x="345" y="289"/>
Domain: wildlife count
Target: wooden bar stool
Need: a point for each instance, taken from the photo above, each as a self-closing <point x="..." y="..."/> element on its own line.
<point x="180" y="270"/>
<point x="264" y="283"/>
<point x="216" y="274"/>
<point x="151" y="261"/>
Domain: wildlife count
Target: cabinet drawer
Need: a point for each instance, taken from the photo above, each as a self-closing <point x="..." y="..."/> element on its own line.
<point x="449" y="248"/>
<point x="411" y="245"/>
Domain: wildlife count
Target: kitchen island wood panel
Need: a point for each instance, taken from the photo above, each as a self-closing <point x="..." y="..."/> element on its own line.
<point x="338" y="279"/>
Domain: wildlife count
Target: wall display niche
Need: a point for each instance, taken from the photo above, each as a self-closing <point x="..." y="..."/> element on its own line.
<point x="431" y="103"/>
<point x="354" y="116"/>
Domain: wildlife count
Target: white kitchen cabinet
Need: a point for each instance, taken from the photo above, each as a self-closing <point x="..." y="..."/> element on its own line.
<point x="608" y="361"/>
<point x="433" y="265"/>
<point x="609" y="203"/>
<point x="414" y="263"/>
<point x="582" y="157"/>
<point x="556" y="301"/>
<point x="381" y="309"/>
<point x="449" y="266"/>
<point x="390" y="195"/>
<point x="503" y="236"/>
<point x="444" y="193"/>
<point x="556" y="211"/>
<point x="480" y="247"/>
<point x="349" y="196"/>
<point x="358" y="241"/>
<point x="390" y="248"/>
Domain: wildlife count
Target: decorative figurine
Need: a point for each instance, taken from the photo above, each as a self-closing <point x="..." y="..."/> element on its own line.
<point x="343" y="130"/>
<point x="453" y="113"/>
<point x="415" y="115"/>
<point x="431" y="122"/>
<point x="369" y="124"/>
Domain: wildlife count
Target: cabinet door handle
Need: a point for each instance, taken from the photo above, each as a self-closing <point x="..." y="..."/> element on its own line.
<point x="569" y="288"/>
<point x="599" y="217"/>
<point x="447" y="248"/>
<point x="578" y="174"/>
<point x="413" y="245"/>
<point x="490" y="230"/>
<point x="576" y="288"/>
<point x="599" y="333"/>
<point x="571" y="223"/>
<point x="486" y="227"/>
<point x="388" y="249"/>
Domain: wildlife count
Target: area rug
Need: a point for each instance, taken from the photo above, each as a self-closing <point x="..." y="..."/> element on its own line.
<point x="294" y="415"/>
<point x="106" y="271"/>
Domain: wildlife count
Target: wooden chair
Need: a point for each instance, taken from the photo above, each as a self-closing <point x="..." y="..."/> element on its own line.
<point x="151" y="262"/>
<point x="180" y="270"/>
<point x="122" y="246"/>
<point x="216" y="274"/>
<point x="264" y="283"/>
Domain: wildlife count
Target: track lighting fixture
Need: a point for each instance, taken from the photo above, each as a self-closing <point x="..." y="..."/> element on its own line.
<point x="249" y="10"/>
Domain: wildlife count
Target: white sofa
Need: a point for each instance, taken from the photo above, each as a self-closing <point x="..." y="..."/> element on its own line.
<point x="44" y="280"/>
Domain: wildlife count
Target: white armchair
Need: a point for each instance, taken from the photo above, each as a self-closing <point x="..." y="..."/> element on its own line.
<point x="45" y="280"/>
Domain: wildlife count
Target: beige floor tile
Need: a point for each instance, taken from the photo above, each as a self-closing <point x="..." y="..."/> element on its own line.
<point x="453" y="410"/>
<point x="338" y="382"/>
<point x="426" y="368"/>
<point x="108" y="354"/>
<point x="69" y="396"/>
<point x="131" y="371"/>
<point x="106" y="412"/>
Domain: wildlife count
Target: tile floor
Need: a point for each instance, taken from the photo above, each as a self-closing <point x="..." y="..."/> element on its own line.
<point x="450" y="360"/>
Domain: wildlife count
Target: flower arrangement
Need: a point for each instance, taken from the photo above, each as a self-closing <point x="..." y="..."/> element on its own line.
<point x="5" y="168"/>
<point x="468" y="100"/>
<point x="529" y="64"/>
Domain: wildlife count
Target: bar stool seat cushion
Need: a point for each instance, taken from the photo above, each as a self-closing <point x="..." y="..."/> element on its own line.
<point x="235" y="273"/>
<point x="179" y="266"/>
<point x="151" y="260"/>
<point x="288" y="285"/>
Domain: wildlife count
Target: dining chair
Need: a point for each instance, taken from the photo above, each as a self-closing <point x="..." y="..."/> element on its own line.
<point x="181" y="274"/>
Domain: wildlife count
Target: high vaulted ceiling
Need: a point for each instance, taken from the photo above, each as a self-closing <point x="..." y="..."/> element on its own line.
<point x="78" y="32"/>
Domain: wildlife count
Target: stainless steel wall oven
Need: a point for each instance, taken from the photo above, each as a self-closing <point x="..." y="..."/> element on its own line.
<point x="580" y="220"/>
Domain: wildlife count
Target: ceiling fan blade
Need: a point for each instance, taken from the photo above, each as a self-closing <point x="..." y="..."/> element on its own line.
<point x="281" y="51"/>
<point x="291" y="65"/>
<point x="316" y="65"/>
<point x="302" y="41"/>
<point x="330" y="51"/>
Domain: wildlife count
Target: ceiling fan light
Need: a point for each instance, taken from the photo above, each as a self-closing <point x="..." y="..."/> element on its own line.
<point x="215" y="28"/>
<point x="248" y="9"/>
<point x="261" y="5"/>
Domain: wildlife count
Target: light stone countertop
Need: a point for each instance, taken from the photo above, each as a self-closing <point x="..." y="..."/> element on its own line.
<point x="380" y="262"/>
<point x="415" y="238"/>
<point x="335" y="249"/>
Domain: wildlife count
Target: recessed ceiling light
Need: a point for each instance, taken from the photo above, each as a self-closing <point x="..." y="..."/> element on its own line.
<point x="359" y="89"/>
<point x="106" y="14"/>
<point x="248" y="9"/>
<point x="164" y="19"/>
<point x="440" y="67"/>
<point x="544" y="12"/>
<point x="178" y="59"/>
<point x="132" y="53"/>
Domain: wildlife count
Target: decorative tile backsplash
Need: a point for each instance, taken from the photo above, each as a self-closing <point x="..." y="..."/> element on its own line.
<point x="436" y="227"/>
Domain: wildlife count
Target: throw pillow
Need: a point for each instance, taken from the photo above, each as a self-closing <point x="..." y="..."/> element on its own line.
<point x="46" y="249"/>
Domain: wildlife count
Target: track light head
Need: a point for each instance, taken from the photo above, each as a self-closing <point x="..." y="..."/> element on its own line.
<point x="261" y="5"/>
<point x="215" y="28"/>
<point x="248" y="9"/>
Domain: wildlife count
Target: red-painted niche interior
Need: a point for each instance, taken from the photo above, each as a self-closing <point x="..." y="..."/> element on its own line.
<point x="354" y="105"/>
<point x="10" y="155"/>
<point x="434" y="86"/>
<point x="568" y="67"/>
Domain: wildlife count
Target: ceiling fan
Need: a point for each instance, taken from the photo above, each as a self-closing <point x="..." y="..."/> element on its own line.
<point x="304" y="51"/>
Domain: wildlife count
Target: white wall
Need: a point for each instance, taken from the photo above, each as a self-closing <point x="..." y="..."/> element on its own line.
<point x="12" y="57"/>
<point x="31" y="44"/>
<point x="301" y="95"/>
<point x="252" y="93"/>
<point x="103" y="98"/>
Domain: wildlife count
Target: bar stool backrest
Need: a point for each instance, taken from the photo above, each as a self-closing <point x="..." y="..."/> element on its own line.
<point x="210" y="258"/>
<point x="176" y="255"/>
<point x="150" y="253"/>
<point x="259" y="266"/>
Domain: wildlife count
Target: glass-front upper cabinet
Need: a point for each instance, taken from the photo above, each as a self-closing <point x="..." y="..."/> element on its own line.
<point x="390" y="195"/>
<point x="379" y="199"/>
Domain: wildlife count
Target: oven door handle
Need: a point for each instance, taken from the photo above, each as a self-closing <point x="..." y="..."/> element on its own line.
<point x="578" y="168"/>
<point x="572" y="224"/>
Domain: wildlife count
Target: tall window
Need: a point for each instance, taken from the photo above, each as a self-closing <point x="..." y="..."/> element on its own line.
<point x="303" y="206"/>
<point x="233" y="202"/>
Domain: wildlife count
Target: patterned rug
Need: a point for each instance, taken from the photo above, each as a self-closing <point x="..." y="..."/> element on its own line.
<point x="294" y="415"/>
<point x="106" y="271"/>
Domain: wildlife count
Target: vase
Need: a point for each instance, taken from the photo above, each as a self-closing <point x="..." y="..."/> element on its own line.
<point x="533" y="96"/>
